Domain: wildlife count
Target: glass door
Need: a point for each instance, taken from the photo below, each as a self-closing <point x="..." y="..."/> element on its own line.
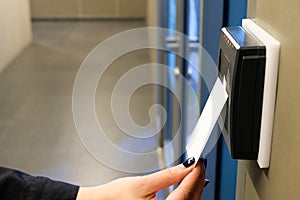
<point x="172" y="16"/>
<point x="202" y="21"/>
<point x="185" y="16"/>
<point x="182" y="16"/>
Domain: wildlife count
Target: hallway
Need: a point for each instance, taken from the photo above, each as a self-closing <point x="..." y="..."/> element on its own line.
<point x="37" y="131"/>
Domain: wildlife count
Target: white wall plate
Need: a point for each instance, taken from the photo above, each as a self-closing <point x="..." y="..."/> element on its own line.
<point x="269" y="97"/>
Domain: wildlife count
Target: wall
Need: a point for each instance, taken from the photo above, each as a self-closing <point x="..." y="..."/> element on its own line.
<point x="88" y="8"/>
<point x="153" y="21"/>
<point x="281" y="180"/>
<point x="15" y="26"/>
<point x="152" y="13"/>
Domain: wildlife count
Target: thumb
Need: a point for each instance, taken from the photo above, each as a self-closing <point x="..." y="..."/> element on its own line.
<point x="165" y="178"/>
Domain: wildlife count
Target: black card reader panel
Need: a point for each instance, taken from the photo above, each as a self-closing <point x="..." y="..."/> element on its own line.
<point x="242" y="65"/>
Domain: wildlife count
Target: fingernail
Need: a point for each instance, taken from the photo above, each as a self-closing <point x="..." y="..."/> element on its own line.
<point x="206" y="182"/>
<point x="204" y="162"/>
<point x="189" y="162"/>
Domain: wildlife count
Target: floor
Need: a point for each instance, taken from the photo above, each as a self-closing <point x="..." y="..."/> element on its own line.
<point x="37" y="130"/>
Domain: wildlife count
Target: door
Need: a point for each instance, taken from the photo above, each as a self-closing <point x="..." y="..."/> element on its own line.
<point x="184" y="16"/>
<point x="202" y="21"/>
<point x="181" y="16"/>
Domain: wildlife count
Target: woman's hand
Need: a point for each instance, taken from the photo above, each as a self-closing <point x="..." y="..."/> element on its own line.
<point x="145" y="187"/>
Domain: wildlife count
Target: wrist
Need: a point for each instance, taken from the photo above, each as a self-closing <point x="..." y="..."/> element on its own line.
<point x="91" y="193"/>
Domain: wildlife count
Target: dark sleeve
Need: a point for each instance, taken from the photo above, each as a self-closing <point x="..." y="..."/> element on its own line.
<point x="17" y="185"/>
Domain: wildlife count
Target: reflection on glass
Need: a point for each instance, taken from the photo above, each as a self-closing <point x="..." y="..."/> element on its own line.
<point x="193" y="10"/>
<point x="193" y="19"/>
<point x="171" y="23"/>
<point x="192" y="49"/>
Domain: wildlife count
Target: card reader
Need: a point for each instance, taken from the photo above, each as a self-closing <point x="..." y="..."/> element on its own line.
<point x="241" y="65"/>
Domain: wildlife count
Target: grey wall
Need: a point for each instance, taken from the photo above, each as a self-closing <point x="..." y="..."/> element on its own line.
<point x="88" y="8"/>
<point x="281" y="180"/>
<point x="15" y="29"/>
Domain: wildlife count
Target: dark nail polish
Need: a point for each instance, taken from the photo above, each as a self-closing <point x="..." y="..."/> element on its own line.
<point x="205" y="163"/>
<point x="189" y="162"/>
<point x="206" y="182"/>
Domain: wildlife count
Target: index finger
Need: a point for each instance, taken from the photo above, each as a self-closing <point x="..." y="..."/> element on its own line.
<point x="166" y="178"/>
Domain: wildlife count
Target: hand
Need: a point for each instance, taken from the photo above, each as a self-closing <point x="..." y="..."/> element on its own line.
<point x="145" y="187"/>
